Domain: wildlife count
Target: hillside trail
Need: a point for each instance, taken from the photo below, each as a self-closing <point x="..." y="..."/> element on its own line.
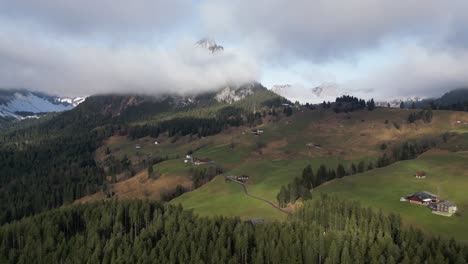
<point x="244" y="188"/>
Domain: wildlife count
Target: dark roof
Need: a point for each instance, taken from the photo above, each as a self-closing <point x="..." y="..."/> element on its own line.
<point x="447" y="203"/>
<point x="201" y="160"/>
<point x="421" y="196"/>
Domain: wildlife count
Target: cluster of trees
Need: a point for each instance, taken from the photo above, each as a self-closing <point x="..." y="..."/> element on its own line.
<point x="460" y="106"/>
<point x="116" y="166"/>
<point x="348" y="103"/>
<point x="425" y="115"/>
<point x="300" y="187"/>
<point x="172" y="194"/>
<point x="409" y="150"/>
<point x="202" y="127"/>
<point x="276" y="102"/>
<point x="326" y="230"/>
<point x="288" y="111"/>
<point x="201" y="176"/>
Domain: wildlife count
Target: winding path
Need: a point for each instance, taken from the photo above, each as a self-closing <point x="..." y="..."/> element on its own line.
<point x="258" y="198"/>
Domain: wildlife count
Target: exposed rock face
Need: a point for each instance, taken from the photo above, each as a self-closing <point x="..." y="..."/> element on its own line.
<point x="210" y="45"/>
<point x="232" y="94"/>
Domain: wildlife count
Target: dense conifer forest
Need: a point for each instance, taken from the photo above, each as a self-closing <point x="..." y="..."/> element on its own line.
<point x="325" y="230"/>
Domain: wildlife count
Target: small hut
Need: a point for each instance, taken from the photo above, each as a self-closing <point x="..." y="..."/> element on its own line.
<point x="420" y="175"/>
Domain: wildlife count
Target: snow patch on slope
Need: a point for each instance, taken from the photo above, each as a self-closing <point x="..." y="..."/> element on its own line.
<point x="231" y="94"/>
<point x="23" y="104"/>
<point x="318" y="94"/>
<point x="395" y="103"/>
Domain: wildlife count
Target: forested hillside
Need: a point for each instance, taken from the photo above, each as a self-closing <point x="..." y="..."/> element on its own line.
<point x="110" y="146"/>
<point x="52" y="162"/>
<point x="324" y="231"/>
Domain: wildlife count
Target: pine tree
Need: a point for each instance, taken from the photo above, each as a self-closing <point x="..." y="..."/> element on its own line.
<point x="308" y="176"/>
<point x="150" y="171"/>
<point x="360" y="167"/>
<point x="345" y="257"/>
<point x="333" y="256"/>
<point x="340" y="171"/>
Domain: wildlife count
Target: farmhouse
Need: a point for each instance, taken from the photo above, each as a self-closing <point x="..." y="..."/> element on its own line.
<point x="422" y="198"/>
<point x="420" y="175"/>
<point x="257" y="131"/>
<point x="240" y="178"/>
<point x="200" y="161"/>
<point x="445" y="208"/>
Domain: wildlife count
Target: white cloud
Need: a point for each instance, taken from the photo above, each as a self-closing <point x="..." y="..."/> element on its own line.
<point x="102" y="17"/>
<point x="82" y="69"/>
<point x="419" y="72"/>
<point x="329" y="29"/>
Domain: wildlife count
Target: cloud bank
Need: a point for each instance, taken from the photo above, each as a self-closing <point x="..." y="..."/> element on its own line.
<point x="146" y="46"/>
<point x="82" y="69"/>
<point x="431" y="38"/>
<point x="103" y="17"/>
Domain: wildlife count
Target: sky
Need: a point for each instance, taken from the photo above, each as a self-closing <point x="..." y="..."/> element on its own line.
<point x="383" y="49"/>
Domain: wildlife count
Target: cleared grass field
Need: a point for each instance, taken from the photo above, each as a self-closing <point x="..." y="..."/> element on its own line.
<point x="221" y="198"/>
<point x="382" y="188"/>
<point x="279" y="154"/>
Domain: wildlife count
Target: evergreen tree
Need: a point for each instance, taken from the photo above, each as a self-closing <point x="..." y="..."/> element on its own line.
<point x="150" y="171"/>
<point x="360" y="167"/>
<point x="340" y="171"/>
<point x="308" y="176"/>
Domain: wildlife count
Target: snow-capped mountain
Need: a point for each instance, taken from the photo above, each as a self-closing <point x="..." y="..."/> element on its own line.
<point x="209" y="44"/>
<point x="395" y="103"/>
<point x="21" y="104"/>
<point x="324" y="92"/>
<point x="72" y="101"/>
<point x="281" y="89"/>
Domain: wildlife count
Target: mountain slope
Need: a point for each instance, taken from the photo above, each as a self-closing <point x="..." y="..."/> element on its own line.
<point x="20" y="104"/>
<point x="318" y="94"/>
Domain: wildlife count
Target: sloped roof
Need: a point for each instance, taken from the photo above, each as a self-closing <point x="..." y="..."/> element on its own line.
<point x="447" y="203"/>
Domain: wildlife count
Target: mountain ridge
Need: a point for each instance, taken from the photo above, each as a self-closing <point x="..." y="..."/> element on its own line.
<point x="20" y="104"/>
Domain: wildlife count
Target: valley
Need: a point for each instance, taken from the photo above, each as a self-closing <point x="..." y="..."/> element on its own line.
<point x="288" y="144"/>
<point x="293" y="163"/>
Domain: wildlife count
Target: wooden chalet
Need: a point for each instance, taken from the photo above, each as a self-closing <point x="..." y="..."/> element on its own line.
<point x="446" y="208"/>
<point x="420" y="175"/>
<point x="422" y="198"/>
<point x="200" y="161"/>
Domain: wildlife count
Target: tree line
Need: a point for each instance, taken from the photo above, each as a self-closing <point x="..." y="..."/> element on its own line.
<point x="326" y="230"/>
<point x="347" y="103"/>
<point x="300" y="186"/>
<point x="424" y="115"/>
<point x="202" y="127"/>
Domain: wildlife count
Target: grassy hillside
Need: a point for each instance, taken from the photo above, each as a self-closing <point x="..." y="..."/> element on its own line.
<point x="382" y="188"/>
<point x="288" y="144"/>
<point x="343" y="138"/>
